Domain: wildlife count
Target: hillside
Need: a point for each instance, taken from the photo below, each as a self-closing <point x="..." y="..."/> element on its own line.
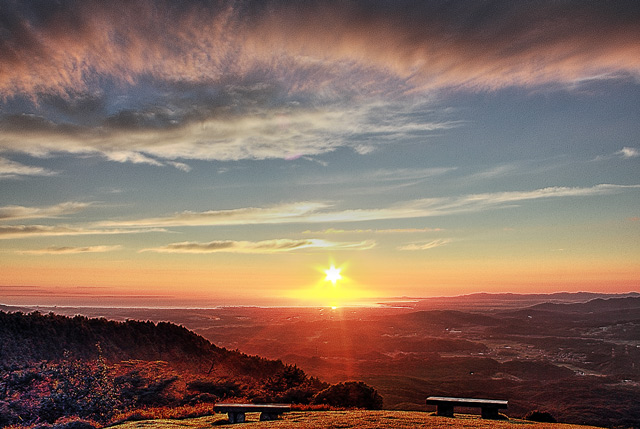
<point x="577" y="360"/>
<point x="34" y="337"/>
<point x="350" y="419"/>
<point x="54" y="367"/>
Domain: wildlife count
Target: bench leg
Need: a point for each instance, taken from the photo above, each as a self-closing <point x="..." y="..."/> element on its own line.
<point x="490" y="413"/>
<point x="236" y="417"/>
<point x="445" y="410"/>
<point x="265" y="416"/>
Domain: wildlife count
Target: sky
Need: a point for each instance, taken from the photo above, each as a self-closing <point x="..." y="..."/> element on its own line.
<point x="202" y="153"/>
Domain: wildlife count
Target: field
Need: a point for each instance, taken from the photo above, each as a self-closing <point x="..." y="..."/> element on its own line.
<point x="348" y="419"/>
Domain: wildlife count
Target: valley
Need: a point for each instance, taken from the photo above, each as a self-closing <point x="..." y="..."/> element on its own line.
<point x="576" y="356"/>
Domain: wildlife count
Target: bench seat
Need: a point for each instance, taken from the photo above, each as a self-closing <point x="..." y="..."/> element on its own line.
<point x="236" y="412"/>
<point x="488" y="407"/>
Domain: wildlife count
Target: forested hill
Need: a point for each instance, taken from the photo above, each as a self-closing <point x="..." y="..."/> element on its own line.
<point x="35" y="337"/>
<point x="55" y="367"/>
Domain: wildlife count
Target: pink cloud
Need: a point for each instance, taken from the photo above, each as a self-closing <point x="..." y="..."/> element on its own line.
<point x="320" y="46"/>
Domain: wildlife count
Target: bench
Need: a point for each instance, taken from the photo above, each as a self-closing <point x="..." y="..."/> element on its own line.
<point x="488" y="407"/>
<point x="236" y="411"/>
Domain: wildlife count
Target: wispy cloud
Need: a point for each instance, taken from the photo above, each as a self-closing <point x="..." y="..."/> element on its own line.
<point x="330" y="231"/>
<point x="11" y="169"/>
<point x="626" y="153"/>
<point x="67" y="250"/>
<point x="233" y="80"/>
<point x="320" y="45"/>
<point x="425" y="245"/>
<point x="318" y="212"/>
<point x="262" y="247"/>
<point x="34" y="231"/>
<point x="283" y="213"/>
<point x="280" y="132"/>
<point x="629" y="152"/>
<point x="11" y="213"/>
<point x="180" y="166"/>
<point x="124" y="156"/>
<point x="499" y="171"/>
<point x="385" y="176"/>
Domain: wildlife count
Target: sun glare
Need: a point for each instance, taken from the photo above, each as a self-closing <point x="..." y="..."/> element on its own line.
<point x="333" y="274"/>
<point x="342" y="291"/>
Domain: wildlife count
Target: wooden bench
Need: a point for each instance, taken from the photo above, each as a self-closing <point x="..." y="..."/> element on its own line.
<point x="489" y="407"/>
<point x="236" y="411"/>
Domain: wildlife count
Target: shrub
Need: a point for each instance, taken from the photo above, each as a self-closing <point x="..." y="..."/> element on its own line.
<point x="155" y="413"/>
<point x="297" y="395"/>
<point x="70" y="423"/>
<point x="222" y="388"/>
<point x="289" y="377"/>
<point x="7" y="415"/>
<point x="351" y="394"/>
<point x="82" y="389"/>
<point x="540" y="416"/>
<point x="147" y="384"/>
<point x="314" y="407"/>
<point x="200" y="398"/>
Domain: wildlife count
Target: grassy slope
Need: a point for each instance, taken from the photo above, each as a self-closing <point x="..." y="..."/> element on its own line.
<point x="346" y="420"/>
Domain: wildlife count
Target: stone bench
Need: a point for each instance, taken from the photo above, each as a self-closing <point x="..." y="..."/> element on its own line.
<point x="236" y="412"/>
<point x="488" y="407"/>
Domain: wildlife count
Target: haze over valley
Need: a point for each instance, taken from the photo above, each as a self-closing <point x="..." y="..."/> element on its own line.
<point x="573" y="354"/>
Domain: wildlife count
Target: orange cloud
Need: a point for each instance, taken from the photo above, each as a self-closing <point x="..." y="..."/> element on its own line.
<point x="70" y="46"/>
<point x="319" y="212"/>
<point x="69" y="250"/>
<point x="263" y="247"/>
<point x="9" y="213"/>
<point x="426" y="245"/>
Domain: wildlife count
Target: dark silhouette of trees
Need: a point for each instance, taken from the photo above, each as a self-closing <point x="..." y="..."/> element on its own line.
<point x="540" y="416"/>
<point x="354" y="394"/>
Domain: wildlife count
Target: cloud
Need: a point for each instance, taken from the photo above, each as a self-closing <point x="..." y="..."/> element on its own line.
<point x="626" y="153"/>
<point x="243" y="216"/>
<point x="320" y="212"/>
<point x="262" y="247"/>
<point x="10" y="213"/>
<point x="629" y="152"/>
<point x="11" y="169"/>
<point x="410" y="175"/>
<point x="147" y="82"/>
<point x="329" y="231"/>
<point x="425" y="245"/>
<point x="128" y="156"/>
<point x="26" y="231"/>
<point x="71" y="250"/>
<point x="264" y="133"/>
<point x="180" y="166"/>
<point x="324" y="45"/>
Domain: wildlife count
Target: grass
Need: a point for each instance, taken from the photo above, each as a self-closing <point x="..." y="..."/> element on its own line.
<point x="347" y="420"/>
<point x="157" y="413"/>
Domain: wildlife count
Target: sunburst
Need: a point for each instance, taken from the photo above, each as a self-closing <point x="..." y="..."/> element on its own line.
<point x="333" y="274"/>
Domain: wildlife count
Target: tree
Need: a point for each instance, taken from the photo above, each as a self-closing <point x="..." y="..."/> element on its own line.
<point x="83" y="389"/>
<point x="540" y="416"/>
<point x="350" y="394"/>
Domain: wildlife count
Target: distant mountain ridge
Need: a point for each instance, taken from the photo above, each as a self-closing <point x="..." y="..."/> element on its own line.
<point x="594" y="305"/>
<point x="482" y="301"/>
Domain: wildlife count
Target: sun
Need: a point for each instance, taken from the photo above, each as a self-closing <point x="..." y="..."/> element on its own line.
<point x="342" y="291"/>
<point x="333" y="274"/>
